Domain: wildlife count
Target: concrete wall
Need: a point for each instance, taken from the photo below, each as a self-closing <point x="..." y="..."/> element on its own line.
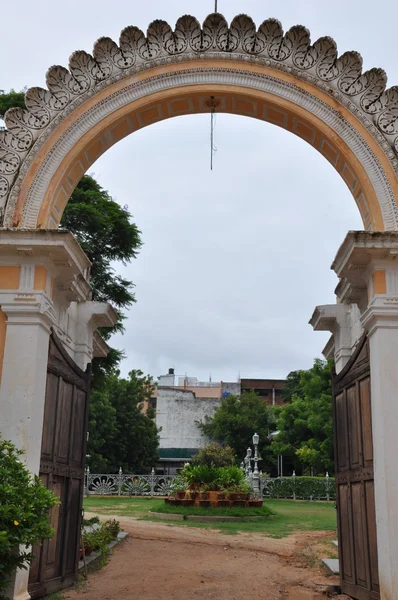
<point x="231" y="388"/>
<point x="177" y="412"/>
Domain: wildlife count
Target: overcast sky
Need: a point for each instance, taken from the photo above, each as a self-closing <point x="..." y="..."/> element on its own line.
<point x="234" y="260"/>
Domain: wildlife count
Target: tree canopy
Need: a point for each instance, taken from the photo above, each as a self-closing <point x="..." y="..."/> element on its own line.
<point x="120" y="435"/>
<point x="305" y="424"/>
<point x="11" y="99"/>
<point x="106" y="233"/>
<point x="235" y="422"/>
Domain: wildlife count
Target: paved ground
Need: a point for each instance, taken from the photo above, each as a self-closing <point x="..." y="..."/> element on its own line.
<point x="159" y="561"/>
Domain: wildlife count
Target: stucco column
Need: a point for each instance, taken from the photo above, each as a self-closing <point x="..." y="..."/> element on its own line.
<point x="370" y="259"/>
<point x="23" y="383"/>
<point x="381" y="320"/>
<point x="41" y="273"/>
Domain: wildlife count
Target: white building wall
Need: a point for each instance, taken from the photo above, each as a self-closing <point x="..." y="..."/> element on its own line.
<point x="177" y="412"/>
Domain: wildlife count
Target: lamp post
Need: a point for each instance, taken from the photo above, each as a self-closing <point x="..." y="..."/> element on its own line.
<point x="256" y="475"/>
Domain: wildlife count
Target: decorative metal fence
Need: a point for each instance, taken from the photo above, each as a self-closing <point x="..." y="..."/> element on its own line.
<point x="123" y="484"/>
<point x="298" y="488"/>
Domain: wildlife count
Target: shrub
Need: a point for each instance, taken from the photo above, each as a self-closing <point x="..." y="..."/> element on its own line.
<point x="215" y="455"/>
<point x="198" y="475"/>
<point x="228" y="477"/>
<point x="113" y="527"/>
<point x="24" y="513"/>
<point x="301" y="488"/>
<point x="211" y="477"/>
<point x="98" y="539"/>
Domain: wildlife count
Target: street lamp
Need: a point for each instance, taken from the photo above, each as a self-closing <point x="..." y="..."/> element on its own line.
<point x="256" y="475"/>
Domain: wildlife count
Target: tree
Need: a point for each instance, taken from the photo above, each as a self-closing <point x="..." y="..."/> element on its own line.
<point x="120" y="434"/>
<point x="215" y="455"/>
<point x="106" y="233"/>
<point x="305" y="425"/>
<point x="235" y="422"/>
<point x="11" y="99"/>
<point x="292" y="386"/>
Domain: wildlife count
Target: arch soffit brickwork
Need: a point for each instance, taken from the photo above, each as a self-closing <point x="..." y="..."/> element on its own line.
<point x="363" y="95"/>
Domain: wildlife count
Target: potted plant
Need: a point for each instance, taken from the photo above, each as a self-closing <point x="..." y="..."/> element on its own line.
<point x="204" y="493"/>
<point x="204" y="497"/>
<point x="179" y="489"/>
<point x="255" y="502"/>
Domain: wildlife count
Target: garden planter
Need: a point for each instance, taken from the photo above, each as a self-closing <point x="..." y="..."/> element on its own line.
<point x="187" y="502"/>
<point x="204" y="495"/>
<point x="176" y="502"/>
<point x="193" y="495"/>
<point x="221" y="503"/>
<point x="204" y="503"/>
<point x="181" y="495"/>
<point x="255" y="503"/>
<point x="239" y="503"/>
<point x="221" y="496"/>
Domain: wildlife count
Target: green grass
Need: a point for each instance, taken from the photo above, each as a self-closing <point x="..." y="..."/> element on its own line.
<point x="290" y="516"/>
<point x="234" y="511"/>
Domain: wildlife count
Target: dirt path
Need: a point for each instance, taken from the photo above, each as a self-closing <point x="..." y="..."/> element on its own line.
<point x="159" y="561"/>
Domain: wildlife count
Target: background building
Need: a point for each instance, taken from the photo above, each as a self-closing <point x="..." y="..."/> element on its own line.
<point x="182" y="402"/>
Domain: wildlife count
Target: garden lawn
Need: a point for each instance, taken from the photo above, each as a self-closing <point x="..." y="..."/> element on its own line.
<point x="290" y="516"/>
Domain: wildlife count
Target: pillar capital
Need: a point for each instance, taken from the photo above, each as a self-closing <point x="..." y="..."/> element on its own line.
<point x="367" y="264"/>
<point x="28" y="308"/>
<point x="335" y="318"/>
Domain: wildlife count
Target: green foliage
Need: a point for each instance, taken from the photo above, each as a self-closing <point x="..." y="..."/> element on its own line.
<point x="235" y="421"/>
<point x="230" y="477"/>
<point x="106" y="233"/>
<point x="306" y="423"/>
<point x="11" y="99"/>
<point x="302" y="488"/>
<point x="120" y="434"/>
<point x="99" y="539"/>
<point x="92" y="521"/>
<point x="292" y="386"/>
<point x="209" y="477"/>
<point x="113" y="527"/>
<point x="216" y="455"/>
<point x="24" y="512"/>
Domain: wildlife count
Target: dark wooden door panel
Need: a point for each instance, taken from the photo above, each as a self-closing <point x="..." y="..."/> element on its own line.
<point x="345" y="542"/>
<point x="354" y="477"/>
<point x="62" y="470"/>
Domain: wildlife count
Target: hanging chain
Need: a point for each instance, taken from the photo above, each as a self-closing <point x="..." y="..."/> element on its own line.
<point x="212" y="147"/>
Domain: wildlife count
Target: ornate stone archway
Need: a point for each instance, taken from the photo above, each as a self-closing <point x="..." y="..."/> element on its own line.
<point x="348" y="116"/>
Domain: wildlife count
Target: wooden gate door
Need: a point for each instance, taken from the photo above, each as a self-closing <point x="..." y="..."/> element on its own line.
<point x="62" y="463"/>
<point x="354" y="477"/>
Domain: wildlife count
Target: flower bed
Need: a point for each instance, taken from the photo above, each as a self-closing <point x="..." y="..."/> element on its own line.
<point x="99" y="538"/>
<point x="207" y="486"/>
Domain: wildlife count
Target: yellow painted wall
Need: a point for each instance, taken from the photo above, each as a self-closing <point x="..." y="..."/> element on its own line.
<point x="379" y="282"/>
<point x="9" y="278"/>
<point x="40" y="280"/>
